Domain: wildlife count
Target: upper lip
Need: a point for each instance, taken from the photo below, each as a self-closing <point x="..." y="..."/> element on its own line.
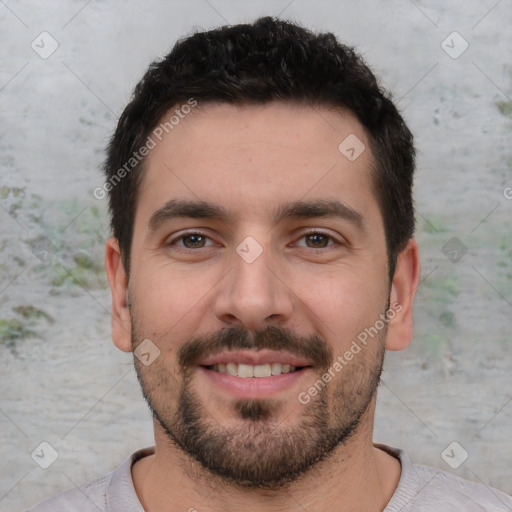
<point x="254" y="358"/>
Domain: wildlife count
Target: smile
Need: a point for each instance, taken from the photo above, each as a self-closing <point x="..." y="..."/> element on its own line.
<point x="253" y="371"/>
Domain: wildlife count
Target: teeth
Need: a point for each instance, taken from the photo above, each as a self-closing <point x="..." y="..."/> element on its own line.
<point x="275" y="368"/>
<point x="245" y="370"/>
<point x="248" y="371"/>
<point x="232" y="368"/>
<point x="262" y="370"/>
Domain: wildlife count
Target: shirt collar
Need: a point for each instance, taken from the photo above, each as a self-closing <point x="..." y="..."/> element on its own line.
<point x="121" y="495"/>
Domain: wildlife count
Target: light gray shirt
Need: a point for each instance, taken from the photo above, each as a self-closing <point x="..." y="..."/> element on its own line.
<point x="420" y="489"/>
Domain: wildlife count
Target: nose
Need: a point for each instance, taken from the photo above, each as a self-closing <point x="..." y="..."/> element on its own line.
<point x="255" y="293"/>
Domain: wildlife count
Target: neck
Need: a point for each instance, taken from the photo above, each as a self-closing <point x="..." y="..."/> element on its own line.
<point x="357" y="474"/>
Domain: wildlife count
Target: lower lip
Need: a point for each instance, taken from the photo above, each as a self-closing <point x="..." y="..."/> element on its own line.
<point x="255" y="387"/>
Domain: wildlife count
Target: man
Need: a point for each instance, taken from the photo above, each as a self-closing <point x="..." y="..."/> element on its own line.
<point x="262" y="260"/>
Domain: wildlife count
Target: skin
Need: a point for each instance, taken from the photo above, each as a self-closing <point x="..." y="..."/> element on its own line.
<point x="250" y="159"/>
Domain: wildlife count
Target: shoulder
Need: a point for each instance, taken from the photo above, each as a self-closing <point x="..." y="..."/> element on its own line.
<point x="112" y="492"/>
<point x="426" y="489"/>
<point x="91" y="496"/>
<point x="441" y="486"/>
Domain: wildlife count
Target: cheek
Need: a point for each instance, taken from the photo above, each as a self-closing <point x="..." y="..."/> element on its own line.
<point x="342" y="305"/>
<point x="171" y="300"/>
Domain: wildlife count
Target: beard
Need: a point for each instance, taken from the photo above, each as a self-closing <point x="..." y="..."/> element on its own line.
<point x="259" y="452"/>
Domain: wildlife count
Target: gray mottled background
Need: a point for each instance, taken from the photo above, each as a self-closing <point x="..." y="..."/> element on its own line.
<point x="63" y="382"/>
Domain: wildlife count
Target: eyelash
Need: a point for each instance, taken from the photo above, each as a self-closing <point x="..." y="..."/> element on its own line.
<point x="308" y="233"/>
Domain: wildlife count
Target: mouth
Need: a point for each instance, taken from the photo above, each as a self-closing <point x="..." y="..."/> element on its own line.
<point x="247" y="371"/>
<point x="254" y="374"/>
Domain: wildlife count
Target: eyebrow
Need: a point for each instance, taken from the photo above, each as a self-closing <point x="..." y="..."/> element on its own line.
<point x="179" y="208"/>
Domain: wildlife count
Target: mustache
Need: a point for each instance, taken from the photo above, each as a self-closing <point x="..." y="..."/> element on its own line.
<point x="311" y="347"/>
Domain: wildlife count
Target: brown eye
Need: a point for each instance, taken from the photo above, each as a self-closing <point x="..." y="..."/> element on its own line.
<point x="191" y="240"/>
<point x="195" y="241"/>
<point x="318" y="240"/>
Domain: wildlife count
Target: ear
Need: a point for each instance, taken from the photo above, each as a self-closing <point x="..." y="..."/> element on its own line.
<point x="120" y="319"/>
<point x="403" y="289"/>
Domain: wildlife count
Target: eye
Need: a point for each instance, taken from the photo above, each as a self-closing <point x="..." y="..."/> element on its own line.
<point x="197" y="240"/>
<point x="318" y="239"/>
<point x="191" y="240"/>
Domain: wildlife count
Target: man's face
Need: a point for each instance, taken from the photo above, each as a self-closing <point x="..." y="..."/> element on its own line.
<point x="251" y="281"/>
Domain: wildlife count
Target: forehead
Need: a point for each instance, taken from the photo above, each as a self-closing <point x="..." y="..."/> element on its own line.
<point x="249" y="157"/>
